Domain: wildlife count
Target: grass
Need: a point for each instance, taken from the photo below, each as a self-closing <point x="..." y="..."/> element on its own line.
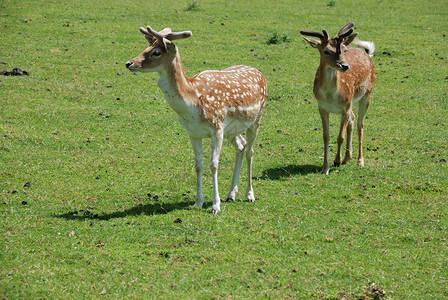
<point x="193" y="6"/>
<point x="84" y="142"/>
<point x="277" y="38"/>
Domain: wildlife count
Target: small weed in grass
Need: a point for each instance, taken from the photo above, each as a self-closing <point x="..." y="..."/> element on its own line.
<point x="331" y="3"/>
<point x="277" y="39"/>
<point x="194" y="6"/>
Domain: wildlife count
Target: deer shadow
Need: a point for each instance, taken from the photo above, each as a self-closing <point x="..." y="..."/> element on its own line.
<point x="281" y="173"/>
<point x="153" y="208"/>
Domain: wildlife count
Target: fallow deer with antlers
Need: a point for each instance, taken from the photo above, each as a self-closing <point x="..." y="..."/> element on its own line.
<point x="212" y="104"/>
<point x="345" y="76"/>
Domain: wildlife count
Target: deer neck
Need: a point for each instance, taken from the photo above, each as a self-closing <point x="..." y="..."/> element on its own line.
<point x="176" y="86"/>
<point x="327" y="74"/>
<point x="325" y="84"/>
<point x="326" y="77"/>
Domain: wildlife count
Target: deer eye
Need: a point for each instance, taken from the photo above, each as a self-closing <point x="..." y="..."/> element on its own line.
<point x="157" y="53"/>
<point x="326" y="52"/>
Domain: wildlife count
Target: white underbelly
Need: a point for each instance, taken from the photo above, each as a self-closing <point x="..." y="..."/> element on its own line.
<point x="197" y="128"/>
<point x="202" y="128"/>
<point x="332" y="106"/>
<point x="233" y="127"/>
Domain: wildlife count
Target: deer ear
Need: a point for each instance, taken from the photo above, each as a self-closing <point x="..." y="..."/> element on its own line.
<point x="350" y="38"/>
<point x="314" y="43"/>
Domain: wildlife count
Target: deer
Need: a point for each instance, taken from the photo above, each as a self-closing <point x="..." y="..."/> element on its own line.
<point x="345" y="76"/>
<point x="213" y="104"/>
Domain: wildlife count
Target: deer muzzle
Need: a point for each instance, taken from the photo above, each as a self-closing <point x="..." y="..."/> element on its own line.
<point x="129" y="64"/>
<point x="343" y="66"/>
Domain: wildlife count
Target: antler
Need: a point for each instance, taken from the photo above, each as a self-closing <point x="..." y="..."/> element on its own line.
<point x="342" y="34"/>
<point x="345" y="31"/>
<point x="322" y="36"/>
<point x="165" y="34"/>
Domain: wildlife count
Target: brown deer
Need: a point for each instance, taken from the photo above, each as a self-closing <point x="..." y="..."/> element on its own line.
<point x="345" y="76"/>
<point x="211" y="104"/>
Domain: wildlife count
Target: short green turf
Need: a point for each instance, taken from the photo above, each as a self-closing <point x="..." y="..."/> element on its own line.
<point x="97" y="177"/>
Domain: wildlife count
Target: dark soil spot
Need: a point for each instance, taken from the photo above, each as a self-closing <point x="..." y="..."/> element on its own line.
<point x="14" y="72"/>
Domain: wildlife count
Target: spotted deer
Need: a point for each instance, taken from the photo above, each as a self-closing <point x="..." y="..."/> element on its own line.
<point x="212" y="104"/>
<point x="345" y="76"/>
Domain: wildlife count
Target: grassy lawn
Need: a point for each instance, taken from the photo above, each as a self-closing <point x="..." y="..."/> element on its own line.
<point x="97" y="177"/>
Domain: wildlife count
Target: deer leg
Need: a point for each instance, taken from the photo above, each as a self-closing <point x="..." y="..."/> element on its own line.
<point x="197" y="147"/>
<point x="362" y="109"/>
<point x="217" y="138"/>
<point x="251" y="135"/>
<point x="240" y="144"/>
<point x="344" y="121"/>
<point x="348" y="149"/>
<point x="326" y="135"/>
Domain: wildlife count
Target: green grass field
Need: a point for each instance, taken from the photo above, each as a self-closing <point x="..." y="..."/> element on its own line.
<point x="97" y="177"/>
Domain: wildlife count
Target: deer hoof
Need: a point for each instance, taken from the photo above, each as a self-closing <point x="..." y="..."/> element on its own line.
<point x="215" y="211"/>
<point x="230" y="200"/>
<point x="250" y="196"/>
